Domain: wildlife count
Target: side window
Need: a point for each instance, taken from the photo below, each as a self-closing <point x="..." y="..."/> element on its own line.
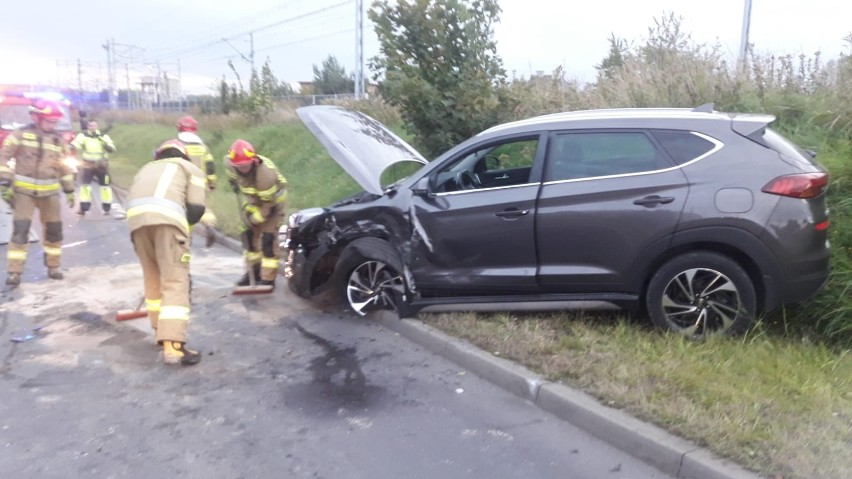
<point x="683" y="146"/>
<point x="498" y="164"/>
<point x="588" y="155"/>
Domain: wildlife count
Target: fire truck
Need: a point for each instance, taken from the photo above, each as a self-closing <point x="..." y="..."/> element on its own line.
<point x="15" y="112"/>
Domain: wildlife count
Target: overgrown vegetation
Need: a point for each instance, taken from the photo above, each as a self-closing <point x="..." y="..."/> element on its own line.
<point x="437" y="61"/>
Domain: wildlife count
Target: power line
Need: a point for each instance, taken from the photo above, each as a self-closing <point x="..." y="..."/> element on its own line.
<point x="294" y="42"/>
<point x="185" y="51"/>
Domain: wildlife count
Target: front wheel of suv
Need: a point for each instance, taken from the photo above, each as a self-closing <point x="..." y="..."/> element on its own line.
<point x="701" y="294"/>
<point x="372" y="278"/>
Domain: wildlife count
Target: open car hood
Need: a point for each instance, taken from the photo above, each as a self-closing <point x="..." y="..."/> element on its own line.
<point x="362" y="146"/>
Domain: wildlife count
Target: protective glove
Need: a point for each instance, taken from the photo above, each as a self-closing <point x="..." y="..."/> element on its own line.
<point x="234" y="186"/>
<point x="208" y="219"/>
<point x="211" y="182"/>
<point x="8" y="195"/>
<point x="69" y="198"/>
<point x="252" y="214"/>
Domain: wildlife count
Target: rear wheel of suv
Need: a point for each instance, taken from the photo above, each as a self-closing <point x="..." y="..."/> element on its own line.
<point x="372" y="279"/>
<point x="701" y="294"/>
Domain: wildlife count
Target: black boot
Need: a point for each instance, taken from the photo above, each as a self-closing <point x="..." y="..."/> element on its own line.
<point x="246" y="279"/>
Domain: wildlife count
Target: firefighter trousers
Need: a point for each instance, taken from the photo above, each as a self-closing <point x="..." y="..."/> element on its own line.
<point x="99" y="171"/>
<point x="163" y="252"/>
<point x="263" y="246"/>
<point x="51" y="224"/>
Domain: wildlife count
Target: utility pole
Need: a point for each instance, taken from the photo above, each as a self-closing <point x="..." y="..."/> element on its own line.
<point x="79" y="75"/>
<point x="251" y="55"/>
<point x="359" y="49"/>
<point x="109" y="46"/>
<point x="745" y="32"/>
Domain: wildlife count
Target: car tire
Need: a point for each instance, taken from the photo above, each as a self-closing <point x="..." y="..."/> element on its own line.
<point x="701" y="294"/>
<point x="370" y="277"/>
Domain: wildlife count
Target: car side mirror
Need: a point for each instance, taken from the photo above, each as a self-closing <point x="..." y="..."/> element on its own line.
<point x="421" y="187"/>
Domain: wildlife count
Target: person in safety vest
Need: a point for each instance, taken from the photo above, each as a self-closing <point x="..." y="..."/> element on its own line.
<point x="167" y="197"/>
<point x="265" y="190"/>
<point x="35" y="183"/>
<point x="200" y="156"/>
<point x="93" y="148"/>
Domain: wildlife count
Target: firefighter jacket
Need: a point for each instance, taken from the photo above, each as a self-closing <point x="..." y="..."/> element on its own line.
<point x="200" y="156"/>
<point x="92" y="146"/>
<point x="265" y="188"/>
<point x="39" y="169"/>
<point x="170" y="191"/>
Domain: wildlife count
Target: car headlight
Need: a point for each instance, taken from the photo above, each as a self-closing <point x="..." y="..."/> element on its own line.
<point x="299" y="217"/>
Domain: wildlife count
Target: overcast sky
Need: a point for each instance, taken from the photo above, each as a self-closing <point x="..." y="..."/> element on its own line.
<point x="186" y="36"/>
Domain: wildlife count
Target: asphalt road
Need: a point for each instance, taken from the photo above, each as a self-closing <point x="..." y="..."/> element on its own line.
<point x="283" y="390"/>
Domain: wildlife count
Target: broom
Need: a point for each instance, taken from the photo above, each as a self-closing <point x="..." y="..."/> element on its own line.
<point x="252" y="288"/>
<point x="139" y="312"/>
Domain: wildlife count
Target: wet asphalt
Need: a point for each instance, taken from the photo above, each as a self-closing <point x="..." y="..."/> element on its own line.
<point x="284" y="389"/>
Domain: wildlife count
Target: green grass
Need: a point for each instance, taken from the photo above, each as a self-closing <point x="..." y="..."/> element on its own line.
<point x="778" y="400"/>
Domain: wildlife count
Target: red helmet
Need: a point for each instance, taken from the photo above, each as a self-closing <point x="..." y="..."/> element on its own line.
<point x="187" y="123"/>
<point x="242" y="153"/>
<point x="171" y="149"/>
<point x="46" y="109"/>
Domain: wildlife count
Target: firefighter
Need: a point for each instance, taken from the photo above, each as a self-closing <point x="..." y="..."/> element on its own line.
<point x="35" y="182"/>
<point x="167" y="197"/>
<point x="265" y="190"/>
<point x="200" y="156"/>
<point x="93" y="148"/>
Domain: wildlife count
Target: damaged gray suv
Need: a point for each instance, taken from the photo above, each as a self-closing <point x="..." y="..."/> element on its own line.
<point x="700" y="218"/>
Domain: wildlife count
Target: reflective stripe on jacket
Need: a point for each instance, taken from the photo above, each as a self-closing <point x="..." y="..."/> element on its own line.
<point x="39" y="167"/>
<point x="162" y="191"/>
<point x="264" y="187"/>
<point x="199" y="154"/>
<point x="93" y="147"/>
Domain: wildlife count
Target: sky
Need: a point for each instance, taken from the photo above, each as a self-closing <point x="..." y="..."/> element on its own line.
<point x="194" y="39"/>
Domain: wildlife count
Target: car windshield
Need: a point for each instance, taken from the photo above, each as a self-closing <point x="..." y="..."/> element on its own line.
<point x="398" y="172"/>
<point x="14" y="116"/>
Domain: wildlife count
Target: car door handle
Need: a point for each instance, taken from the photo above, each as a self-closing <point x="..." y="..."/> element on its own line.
<point x="654" y="200"/>
<point x="504" y="177"/>
<point x="512" y="213"/>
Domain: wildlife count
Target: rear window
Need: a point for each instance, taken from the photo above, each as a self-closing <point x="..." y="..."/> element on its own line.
<point x="785" y="147"/>
<point x="683" y="146"/>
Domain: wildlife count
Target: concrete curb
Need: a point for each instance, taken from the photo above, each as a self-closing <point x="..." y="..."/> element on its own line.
<point x="668" y="453"/>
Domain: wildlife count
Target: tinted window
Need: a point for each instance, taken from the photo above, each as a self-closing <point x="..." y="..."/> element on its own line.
<point x="683" y="146"/>
<point x="585" y="155"/>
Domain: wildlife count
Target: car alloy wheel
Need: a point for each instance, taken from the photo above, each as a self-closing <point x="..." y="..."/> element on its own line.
<point x="700" y="295"/>
<point x="374" y="285"/>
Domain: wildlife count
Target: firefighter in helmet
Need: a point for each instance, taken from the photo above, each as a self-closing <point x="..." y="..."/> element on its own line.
<point x="200" y="156"/>
<point x="265" y="190"/>
<point x="167" y="197"/>
<point x="93" y="148"/>
<point x="39" y="175"/>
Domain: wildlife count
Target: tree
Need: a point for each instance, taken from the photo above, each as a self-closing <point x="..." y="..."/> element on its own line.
<point x="332" y="78"/>
<point x="618" y="52"/>
<point x="438" y="63"/>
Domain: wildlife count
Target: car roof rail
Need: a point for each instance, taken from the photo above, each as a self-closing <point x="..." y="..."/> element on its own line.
<point x="705" y="108"/>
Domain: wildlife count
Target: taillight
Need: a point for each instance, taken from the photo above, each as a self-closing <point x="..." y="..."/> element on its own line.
<point x="802" y="185"/>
